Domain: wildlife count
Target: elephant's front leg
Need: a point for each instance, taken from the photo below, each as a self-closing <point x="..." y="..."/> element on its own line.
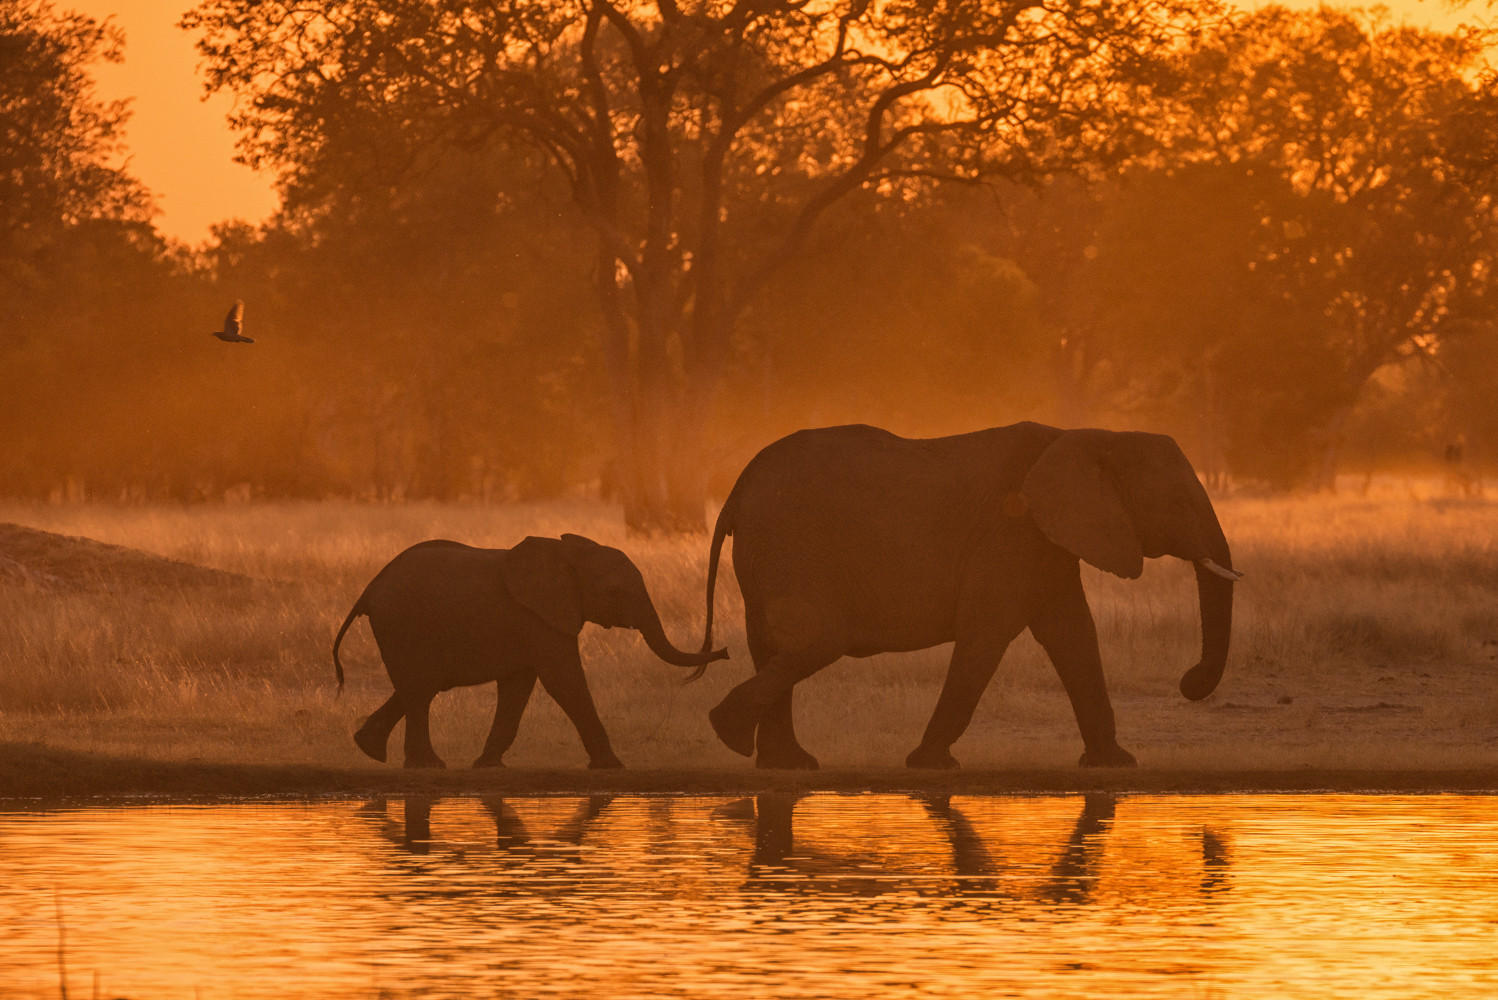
<point x="562" y="677"/>
<point x="1065" y="630"/>
<point x="975" y="657"/>
<point x="513" y="692"/>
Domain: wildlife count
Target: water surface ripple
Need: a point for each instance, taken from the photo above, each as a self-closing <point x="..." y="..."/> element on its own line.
<point x="822" y="895"/>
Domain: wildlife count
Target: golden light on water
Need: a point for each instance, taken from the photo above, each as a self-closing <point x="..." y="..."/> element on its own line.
<point x="1133" y="896"/>
<point x="411" y="361"/>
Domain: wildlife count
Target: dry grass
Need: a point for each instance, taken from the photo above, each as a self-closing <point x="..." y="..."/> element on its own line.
<point x="1366" y="634"/>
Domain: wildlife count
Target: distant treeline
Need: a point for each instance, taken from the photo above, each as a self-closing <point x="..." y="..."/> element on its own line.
<point x="1282" y="252"/>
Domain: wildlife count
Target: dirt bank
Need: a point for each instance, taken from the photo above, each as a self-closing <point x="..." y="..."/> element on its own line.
<point x="50" y="560"/>
<point x="34" y="772"/>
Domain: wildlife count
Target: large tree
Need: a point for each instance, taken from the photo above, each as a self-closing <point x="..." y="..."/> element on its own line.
<point x="701" y="142"/>
<point x="79" y="261"/>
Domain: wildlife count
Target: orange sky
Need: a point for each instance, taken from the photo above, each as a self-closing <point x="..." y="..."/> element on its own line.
<point x="182" y="147"/>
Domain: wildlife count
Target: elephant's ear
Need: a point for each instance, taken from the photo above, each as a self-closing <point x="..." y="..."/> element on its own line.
<point x="1075" y="503"/>
<point x="541" y="579"/>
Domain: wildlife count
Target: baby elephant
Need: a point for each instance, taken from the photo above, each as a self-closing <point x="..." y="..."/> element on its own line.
<point x="445" y="614"/>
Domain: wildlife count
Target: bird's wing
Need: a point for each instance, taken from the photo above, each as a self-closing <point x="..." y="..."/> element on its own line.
<point x="235" y="318"/>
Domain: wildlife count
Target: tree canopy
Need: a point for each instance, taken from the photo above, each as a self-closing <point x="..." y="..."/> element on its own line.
<point x="60" y="144"/>
<point x="530" y="250"/>
<point x="700" y="143"/>
<point x="1308" y="221"/>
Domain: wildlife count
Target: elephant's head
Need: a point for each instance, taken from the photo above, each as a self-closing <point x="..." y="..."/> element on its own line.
<point x="569" y="580"/>
<point x="1113" y="498"/>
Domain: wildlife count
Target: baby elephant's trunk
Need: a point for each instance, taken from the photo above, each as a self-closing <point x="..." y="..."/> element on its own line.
<point x="655" y="638"/>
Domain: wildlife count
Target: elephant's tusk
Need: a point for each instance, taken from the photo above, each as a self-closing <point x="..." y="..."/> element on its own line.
<point x="1222" y="571"/>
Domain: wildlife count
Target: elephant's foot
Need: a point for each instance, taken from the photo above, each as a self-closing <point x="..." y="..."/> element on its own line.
<point x="605" y="762"/>
<point x="1114" y="756"/>
<point x="931" y="758"/>
<point x="733" y="727"/>
<point x="487" y="759"/>
<point x="424" y="760"/>
<point x="791" y="758"/>
<point x="371" y="744"/>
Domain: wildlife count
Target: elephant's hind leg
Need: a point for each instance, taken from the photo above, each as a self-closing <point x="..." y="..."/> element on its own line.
<point x="767" y="697"/>
<point x="419" y="752"/>
<point x="374" y="735"/>
<point x="775" y="743"/>
<point x="1065" y="630"/>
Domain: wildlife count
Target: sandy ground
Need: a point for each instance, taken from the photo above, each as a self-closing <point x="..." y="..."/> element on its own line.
<point x="1417" y="726"/>
<point x="199" y="670"/>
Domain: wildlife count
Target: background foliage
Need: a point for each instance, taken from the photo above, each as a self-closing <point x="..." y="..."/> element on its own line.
<point x="1280" y="250"/>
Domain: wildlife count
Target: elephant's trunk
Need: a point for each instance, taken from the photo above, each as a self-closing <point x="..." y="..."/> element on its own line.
<point x="655" y="637"/>
<point x="1214" y="585"/>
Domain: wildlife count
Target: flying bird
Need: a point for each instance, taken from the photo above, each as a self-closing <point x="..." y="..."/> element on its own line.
<point x="233" y="323"/>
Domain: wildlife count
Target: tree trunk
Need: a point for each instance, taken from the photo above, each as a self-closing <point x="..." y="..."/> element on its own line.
<point x="667" y="492"/>
<point x="664" y="483"/>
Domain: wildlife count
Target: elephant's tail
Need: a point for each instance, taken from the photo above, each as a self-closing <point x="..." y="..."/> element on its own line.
<point x="721" y="530"/>
<point x="354" y="613"/>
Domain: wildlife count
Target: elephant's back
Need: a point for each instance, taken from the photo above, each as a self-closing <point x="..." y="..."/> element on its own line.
<point x="862" y="527"/>
<point x="860" y="453"/>
<point x="815" y="460"/>
<point x="879" y="478"/>
<point x="426" y="564"/>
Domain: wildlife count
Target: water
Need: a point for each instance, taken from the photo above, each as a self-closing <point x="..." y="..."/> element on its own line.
<point x="819" y="896"/>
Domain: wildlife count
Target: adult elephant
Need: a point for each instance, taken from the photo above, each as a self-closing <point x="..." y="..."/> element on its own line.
<point x="447" y="615"/>
<point x="851" y="541"/>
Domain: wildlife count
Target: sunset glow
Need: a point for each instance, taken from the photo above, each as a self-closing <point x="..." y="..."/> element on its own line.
<point x="183" y="148"/>
<point x="748" y="498"/>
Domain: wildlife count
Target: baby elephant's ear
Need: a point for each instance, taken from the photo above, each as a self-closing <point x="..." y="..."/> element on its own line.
<point x="541" y="579"/>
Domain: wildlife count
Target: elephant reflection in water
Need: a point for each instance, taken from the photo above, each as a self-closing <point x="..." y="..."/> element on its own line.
<point x="1074" y="873"/>
<point x="1215" y="862"/>
<point x="776" y="864"/>
<point x="1072" y="877"/>
<point x="511" y="835"/>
